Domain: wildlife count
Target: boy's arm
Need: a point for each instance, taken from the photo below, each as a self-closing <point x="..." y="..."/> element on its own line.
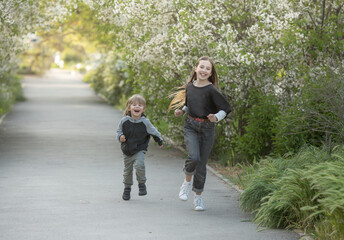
<point x="151" y="130"/>
<point x="119" y="132"/>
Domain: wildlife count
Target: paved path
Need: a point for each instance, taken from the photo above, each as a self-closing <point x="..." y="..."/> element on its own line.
<point x="61" y="177"/>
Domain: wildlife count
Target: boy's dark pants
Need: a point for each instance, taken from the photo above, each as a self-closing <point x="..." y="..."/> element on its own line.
<point x="199" y="139"/>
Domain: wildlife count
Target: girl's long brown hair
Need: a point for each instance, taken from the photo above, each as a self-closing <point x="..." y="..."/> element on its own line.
<point x="179" y="95"/>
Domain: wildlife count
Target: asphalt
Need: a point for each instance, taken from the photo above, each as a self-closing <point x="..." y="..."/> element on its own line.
<point x="61" y="177"/>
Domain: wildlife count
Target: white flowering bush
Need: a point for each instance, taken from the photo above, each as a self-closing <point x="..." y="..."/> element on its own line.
<point x="111" y="78"/>
<point x="262" y="50"/>
<point x="260" y="47"/>
<point x="18" y="20"/>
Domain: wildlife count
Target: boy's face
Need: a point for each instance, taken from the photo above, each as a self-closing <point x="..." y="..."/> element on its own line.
<point x="136" y="110"/>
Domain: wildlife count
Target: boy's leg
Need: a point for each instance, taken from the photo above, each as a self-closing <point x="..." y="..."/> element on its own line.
<point x="141" y="172"/>
<point x="128" y="170"/>
<point x="126" y="193"/>
<point x="140" y="166"/>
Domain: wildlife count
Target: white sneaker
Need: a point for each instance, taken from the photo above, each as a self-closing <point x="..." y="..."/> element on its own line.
<point x="198" y="202"/>
<point x="184" y="191"/>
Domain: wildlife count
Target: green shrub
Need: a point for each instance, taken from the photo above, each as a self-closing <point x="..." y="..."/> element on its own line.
<point x="72" y="57"/>
<point x="303" y="191"/>
<point x="282" y="208"/>
<point x="111" y="79"/>
<point x="223" y="151"/>
<point x="264" y="177"/>
<point x="315" y="117"/>
<point x="311" y="199"/>
<point x="10" y="92"/>
<point x="290" y="133"/>
<point x="323" y="105"/>
<point x="5" y="99"/>
<point x="256" y="140"/>
<point x="327" y="179"/>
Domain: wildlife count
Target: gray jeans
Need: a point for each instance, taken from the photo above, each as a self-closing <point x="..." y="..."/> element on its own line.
<point x="135" y="161"/>
<point x="199" y="139"/>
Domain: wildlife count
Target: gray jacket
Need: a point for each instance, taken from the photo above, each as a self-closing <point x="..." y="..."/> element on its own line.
<point x="137" y="133"/>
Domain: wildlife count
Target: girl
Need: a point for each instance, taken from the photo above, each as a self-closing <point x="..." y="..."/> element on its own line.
<point x="134" y="131"/>
<point x="204" y="105"/>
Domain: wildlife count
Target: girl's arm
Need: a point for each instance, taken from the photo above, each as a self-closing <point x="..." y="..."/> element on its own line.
<point x="179" y="112"/>
<point x="221" y="103"/>
<point x="220" y="115"/>
<point x="217" y="117"/>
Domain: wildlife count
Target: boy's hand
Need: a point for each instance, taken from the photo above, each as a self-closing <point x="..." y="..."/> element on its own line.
<point x="161" y="146"/>
<point x="122" y="138"/>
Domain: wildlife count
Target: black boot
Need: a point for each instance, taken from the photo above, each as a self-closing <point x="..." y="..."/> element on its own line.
<point x="142" y="189"/>
<point x="126" y="193"/>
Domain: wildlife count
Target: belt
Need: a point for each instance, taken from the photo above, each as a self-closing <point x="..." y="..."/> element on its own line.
<point x="199" y="119"/>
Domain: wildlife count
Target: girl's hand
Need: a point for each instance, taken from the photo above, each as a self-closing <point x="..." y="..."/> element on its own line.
<point x="212" y="118"/>
<point x="122" y="138"/>
<point x="178" y="112"/>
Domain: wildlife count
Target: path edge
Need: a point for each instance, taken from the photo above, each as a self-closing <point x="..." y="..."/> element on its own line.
<point x="2" y="118"/>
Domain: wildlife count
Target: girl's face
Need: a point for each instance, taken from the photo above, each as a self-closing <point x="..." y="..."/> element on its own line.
<point x="203" y="70"/>
<point x="136" y="110"/>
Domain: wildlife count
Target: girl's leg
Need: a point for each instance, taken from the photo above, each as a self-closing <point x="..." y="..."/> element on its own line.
<point x="185" y="188"/>
<point x="206" y="144"/>
<point x="192" y="143"/>
<point x="188" y="178"/>
<point x="201" y="170"/>
<point x="192" y="147"/>
<point x="198" y="202"/>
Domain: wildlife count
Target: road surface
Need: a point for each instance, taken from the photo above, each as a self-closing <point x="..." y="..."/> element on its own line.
<point x="61" y="177"/>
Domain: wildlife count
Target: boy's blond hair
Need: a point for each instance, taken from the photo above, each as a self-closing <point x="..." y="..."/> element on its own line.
<point x="134" y="99"/>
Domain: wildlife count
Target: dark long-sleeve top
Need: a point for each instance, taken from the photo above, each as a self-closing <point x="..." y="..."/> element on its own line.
<point x="137" y="133"/>
<point x="202" y="101"/>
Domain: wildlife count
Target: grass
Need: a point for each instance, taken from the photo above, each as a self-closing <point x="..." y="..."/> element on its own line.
<point x="304" y="191"/>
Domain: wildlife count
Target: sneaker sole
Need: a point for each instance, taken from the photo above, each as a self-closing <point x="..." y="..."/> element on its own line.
<point x="183" y="199"/>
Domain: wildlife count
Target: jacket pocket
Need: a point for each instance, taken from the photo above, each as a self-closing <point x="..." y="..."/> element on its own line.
<point x="129" y="148"/>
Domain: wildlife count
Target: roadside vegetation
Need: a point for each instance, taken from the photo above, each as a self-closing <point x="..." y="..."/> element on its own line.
<point x="280" y="64"/>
